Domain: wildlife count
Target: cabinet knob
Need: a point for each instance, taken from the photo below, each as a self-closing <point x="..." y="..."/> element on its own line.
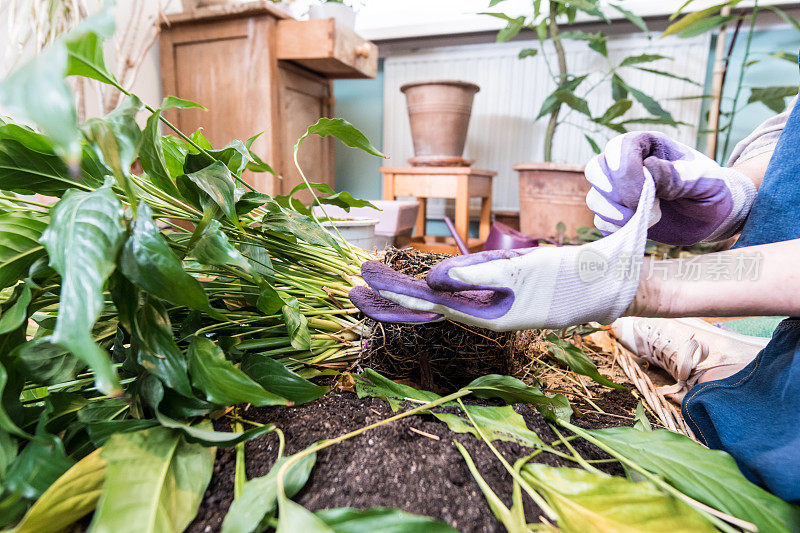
<point x="363" y="50"/>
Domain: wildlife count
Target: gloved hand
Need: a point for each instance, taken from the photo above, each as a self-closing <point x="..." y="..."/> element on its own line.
<point x="503" y="290"/>
<point x="698" y="200"/>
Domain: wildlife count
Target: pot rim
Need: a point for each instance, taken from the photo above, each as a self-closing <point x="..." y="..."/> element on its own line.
<point x="351" y="222"/>
<point x="457" y="83"/>
<point x="551" y="167"/>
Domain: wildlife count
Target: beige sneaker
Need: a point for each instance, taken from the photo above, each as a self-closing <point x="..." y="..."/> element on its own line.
<point x="690" y="349"/>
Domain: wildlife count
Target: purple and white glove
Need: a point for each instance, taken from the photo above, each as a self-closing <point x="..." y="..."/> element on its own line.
<point x="503" y="290"/>
<point x="697" y="199"/>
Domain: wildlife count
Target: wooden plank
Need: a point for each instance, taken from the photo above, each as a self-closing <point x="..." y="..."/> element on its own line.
<point x="427" y="186"/>
<point x="462" y="207"/>
<point x="439" y="170"/>
<point x="225" y="11"/>
<point x="327" y="47"/>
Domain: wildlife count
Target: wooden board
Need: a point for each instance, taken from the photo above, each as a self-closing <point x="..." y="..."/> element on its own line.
<point x="327" y="47"/>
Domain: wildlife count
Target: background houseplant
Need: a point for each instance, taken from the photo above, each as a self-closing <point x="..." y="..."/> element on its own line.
<point x="552" y="192"/>
<point x="736" y="29"/>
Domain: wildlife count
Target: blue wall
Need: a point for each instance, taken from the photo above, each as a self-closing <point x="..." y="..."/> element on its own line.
<point x="360" y="102"/>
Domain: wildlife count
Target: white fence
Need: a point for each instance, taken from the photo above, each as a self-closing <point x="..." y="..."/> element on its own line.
<point x="503" y="130"/>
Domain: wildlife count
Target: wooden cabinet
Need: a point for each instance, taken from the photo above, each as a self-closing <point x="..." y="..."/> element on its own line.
<point x="240" y="62"/>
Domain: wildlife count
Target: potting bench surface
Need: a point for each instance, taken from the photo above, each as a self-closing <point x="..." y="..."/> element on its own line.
<point x="459" y="183"/>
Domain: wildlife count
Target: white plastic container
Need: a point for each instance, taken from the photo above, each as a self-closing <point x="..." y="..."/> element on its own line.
<point x="396" y="219"/>
<point x="358" y="231"/>
<point x="334" y="10"/>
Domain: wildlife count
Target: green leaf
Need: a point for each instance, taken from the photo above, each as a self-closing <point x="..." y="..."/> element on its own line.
<point x="236" y="156"/>
<point x="631" y="16"/>
<point x="174" y="155"/>
<point x="564" y="92"/>
<point x="619" y="89"/>
<point x="36" y="92"/>
<point x="669" y="75"/>
<point x="7" y="424"/>
<point x="152" y="391"/>
<point x="221" y="382"/>
<point x="213" y="248"/>
<point x="303" y="227"/>
<point x="692" y="20"/>
<point x="342" y="130"/>
<point x="37" y="467"/>
<point x="259" y="497"/>
<point x="217" y="183"/>
<point x="156" y="349"/>
<point x="341" y="199"/>
<point x="276" y="378"/>
<point x="149" y="262"/>
<point x="154" y="482"/>
<point x="370" y="383"/>
<point x="85" y="47"/>
<point x="15" y="316"/>
<point x="642" y="423"/>
<point x="71" y="497"/>
<point x="708" y="476"/>
<point x="589" y="501"/>
<point x="293" y="518"/>
<point x="495" y="422"/>
<point x="45" y="362"/>
<point x="251" y="200"/>
<point x="595" y="148"/>
<point x="82" y="240"/>
<point x="269" y="300"/>
<point x="701" y="25"/>
<point x="171" y="102"/>
<point x="616" y="110"/>
<point x="597" y="41"/>
<point x="772" y="97"/>
<point x="117" y="136"/>
<point x="296" y="327"/>
<point x="648" y="103"/>
<point x="151" y="156"/>
<point x="19" y="244"/>
<point x="511" y="30"/>
<point x="641" y="58"/>
<point x="577" y="360"/>
<point x="512" y="390"/>
<point x="259" y="259"/>
<point x="384" y="519"/>
<point x="24" y="170"/>
<point x="527" y="52"/>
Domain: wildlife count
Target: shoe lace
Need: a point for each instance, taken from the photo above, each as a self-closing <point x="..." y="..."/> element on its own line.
<point x="682" y="362"/>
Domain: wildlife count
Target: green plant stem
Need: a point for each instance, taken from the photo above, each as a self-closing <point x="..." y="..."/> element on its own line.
<point x="552" y="124"/>
<point x="281" y="442"/>
<point x="740" y="84"/>
<point x="715" y="516"/>
<point x="327" y="443"/>
<point x="514" y="474"/>
<point x="239" y="476"/>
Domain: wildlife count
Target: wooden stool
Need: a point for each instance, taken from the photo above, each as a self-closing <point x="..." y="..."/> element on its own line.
<point x="460" y="183"/>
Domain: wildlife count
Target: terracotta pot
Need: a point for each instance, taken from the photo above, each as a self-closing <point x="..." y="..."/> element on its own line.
<point x="550" y="193"/>
<point x="439" y="114"/>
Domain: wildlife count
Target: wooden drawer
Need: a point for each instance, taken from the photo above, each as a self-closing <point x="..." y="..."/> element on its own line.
<point x="327" y="47"/>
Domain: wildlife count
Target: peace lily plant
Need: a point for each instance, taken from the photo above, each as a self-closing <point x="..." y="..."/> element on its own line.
<point x="122" y="335"/>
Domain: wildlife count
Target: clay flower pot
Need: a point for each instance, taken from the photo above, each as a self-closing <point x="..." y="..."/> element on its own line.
<point x="439" y="113"/>
<point x="550" y="193"/>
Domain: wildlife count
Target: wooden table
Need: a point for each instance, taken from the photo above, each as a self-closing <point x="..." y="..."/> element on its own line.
<point x="459" y="183"/>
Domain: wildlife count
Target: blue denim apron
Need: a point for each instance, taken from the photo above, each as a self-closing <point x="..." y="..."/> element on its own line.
<point x="754" y="415"/>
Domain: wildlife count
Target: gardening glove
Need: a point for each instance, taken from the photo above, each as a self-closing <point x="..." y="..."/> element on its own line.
<point x="503" y="290"/>
<point x="697" y="199"/>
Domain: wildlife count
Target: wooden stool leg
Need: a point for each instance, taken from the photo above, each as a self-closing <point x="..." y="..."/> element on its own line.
<point x="419" y="228"/>
<point x="388" y="187"/>
<point x="462" y="208"/>
<point x="486" y="217"/>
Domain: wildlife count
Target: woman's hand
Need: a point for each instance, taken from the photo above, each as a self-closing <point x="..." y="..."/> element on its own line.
<point x="698" y="200"/>
<point x="502" y="290"/>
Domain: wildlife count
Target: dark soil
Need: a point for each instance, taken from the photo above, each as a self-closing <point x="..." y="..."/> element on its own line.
<point x="391" y="465"/>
